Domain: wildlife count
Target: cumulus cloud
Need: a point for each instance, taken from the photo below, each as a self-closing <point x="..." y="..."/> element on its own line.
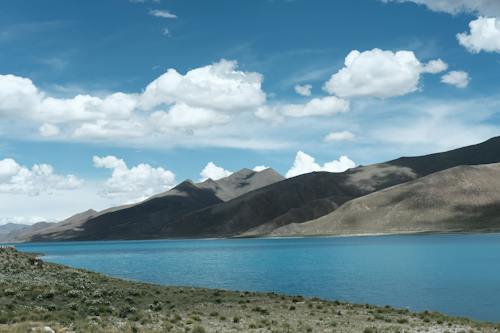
<point x="435" y="66"/>
<point x="18" y="95"/>
<point x="162" y="13"/>
<point x="305" y="163"/>
<point x="213" y="172"/>
<point x="170" y="108"/>
<point x="379" y="73"/>
<point x="303" y="90"/>
<point x="339" y="136"/>
<point x="484" y="35"/>
<point x="219" y="86"/>
<point x="260" y="168"/>
<point x="49" y="130"/>
<point x="184" y="116"/>
<point x="482" y="7"/>
<point x="459" y="79"/>
<point x="135" y="183"/>
<point x="324" y="106"/>
<point x="18" y="179"/>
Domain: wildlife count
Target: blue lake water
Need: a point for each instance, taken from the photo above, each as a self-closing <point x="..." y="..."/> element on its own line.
<point x="454" y="274"/>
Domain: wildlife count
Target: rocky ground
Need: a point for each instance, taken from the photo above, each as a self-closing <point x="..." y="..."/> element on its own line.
<point x="36" y="296"/>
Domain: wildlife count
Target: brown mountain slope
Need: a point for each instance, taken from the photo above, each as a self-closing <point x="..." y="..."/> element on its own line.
<point x="241" y="182"/>
<point x="464" y="198"/>
<point x="293" y="200"/>
<point x="141" y="221"/>
<point x="310" y="196"/>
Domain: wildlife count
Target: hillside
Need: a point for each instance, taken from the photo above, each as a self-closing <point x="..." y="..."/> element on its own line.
<point x="141" y="221"/>
<point x="293" y="200"/>
<point x="241" y="182"/>
<point x="9" y="228"/>
<point x="460" y="199"/>
<point x="253" y="204"/>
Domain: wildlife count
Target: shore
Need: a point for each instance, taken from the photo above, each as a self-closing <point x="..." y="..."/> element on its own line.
<point x="36" y="296"/>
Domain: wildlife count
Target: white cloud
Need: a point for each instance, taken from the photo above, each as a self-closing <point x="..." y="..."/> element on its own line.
<point x="380" y="73"/>
<point x="169" y="109"/>
<point x="482" y="7"/>
<point x="136" y="183"/>
<point x="260" y="168"/>
<point x="49" y="130"/>
<point x="324" y="106"/>
<point x="162" y="13"/>
<point x="184" y="116"/>
<point x="305" y="163"/>
<point x="435" y="66"/>
<point x="484" y="35"/>
<point x="213" y="172"/>
<point x="18" y="95"/>
<point x="18" y="179"/>
<point x="304" y="90"/>
<point x="220" y="86"/>
<point x="339" y="136"/>
<point x="459" y="79"/>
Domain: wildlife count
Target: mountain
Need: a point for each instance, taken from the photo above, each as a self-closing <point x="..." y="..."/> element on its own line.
<point x="253" y="204"/>
<point x="9" y="227"/>
<point x="464" y="198"/>
<point x="6" y="229"/>
<point x="241" y="182"/>
<point x="72" y="223"/>
<point x="483" y="153"/>
<point x="311" y="196"/>
<point x="294" y="200"/>
<point x="141" y="221"/>
<point x="26" y="233"/>
<point x="147" y="218"/>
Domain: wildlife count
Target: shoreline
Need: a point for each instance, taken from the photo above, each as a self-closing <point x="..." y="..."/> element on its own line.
<point x="420" y="233"/>
<point x="40" y="293"/>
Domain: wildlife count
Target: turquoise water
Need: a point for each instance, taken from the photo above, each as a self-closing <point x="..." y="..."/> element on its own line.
<point x="454" y="274"/>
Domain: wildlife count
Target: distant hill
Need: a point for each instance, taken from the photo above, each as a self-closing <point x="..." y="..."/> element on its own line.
<point x="52" y="230"/>
<point x="253" y="204"/>
<point x="6" y="229"/>
<point x="241" y="182"/>
<point x="148" y="218"/>
<point x="141" y="221"/>
<point x="27" y="232"/>
<point x="311" y="196"/>
<point x="464" y="198"/>
<point x="483" y="153"/>
<point x="290" y="201"/>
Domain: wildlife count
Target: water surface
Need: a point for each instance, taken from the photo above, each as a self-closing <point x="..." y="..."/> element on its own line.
<point x="454" y="274"/>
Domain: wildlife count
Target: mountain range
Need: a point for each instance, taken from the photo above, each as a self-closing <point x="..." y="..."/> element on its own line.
<point x="448" y="191"/>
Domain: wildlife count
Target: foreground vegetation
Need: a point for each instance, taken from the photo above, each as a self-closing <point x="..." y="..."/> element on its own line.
<point x="36" y="296"/>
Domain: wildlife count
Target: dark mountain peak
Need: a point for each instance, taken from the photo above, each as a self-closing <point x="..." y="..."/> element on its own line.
<point x="242" y="172"/>
<point x="486" y="152"/>
<point x="185" y="187"/>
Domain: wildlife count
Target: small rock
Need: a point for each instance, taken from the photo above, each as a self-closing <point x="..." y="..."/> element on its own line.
<point x="47" y="329"/>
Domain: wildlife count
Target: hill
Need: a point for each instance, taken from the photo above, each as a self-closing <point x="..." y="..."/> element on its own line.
<point x="148" y="218"/>
<point x="460" y="199"/>
<point x="141" y="221"/>
<point x="241" y="182"/>
<point x="253" y="204"/>
<point x="311" y="196"/>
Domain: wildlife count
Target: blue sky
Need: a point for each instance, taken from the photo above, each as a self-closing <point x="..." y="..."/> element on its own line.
<point x="413" y="87"/>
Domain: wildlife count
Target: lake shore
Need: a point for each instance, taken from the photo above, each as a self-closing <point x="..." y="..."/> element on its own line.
<point x="37" y="295"/>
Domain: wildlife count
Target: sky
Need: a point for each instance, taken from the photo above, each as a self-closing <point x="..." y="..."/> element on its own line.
<point x="108" y="102"/>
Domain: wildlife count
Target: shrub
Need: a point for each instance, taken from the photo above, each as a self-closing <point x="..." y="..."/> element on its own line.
<point x="199" y="329"/>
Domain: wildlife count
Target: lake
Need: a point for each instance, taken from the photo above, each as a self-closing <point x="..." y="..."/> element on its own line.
<point x="453" y="274"/>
